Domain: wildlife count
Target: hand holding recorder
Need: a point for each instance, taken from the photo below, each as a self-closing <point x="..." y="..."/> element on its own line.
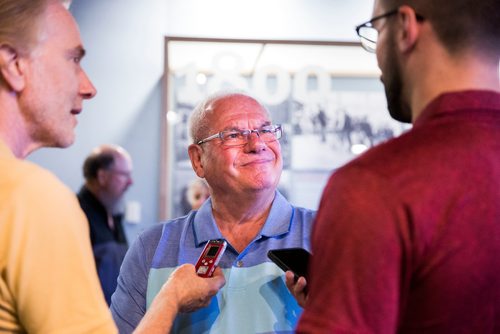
<point x="210" y="257"/>
<point x="183" y="292"/>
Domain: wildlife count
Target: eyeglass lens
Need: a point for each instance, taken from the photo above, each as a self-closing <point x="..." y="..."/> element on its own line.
<point x="369" y="36"/>
<point x="242" y="137"/>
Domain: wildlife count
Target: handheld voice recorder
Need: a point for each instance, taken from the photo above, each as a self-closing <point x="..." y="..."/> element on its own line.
<point x="210" y="257"/>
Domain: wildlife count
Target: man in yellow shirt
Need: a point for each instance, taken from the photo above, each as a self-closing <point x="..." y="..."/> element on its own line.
<point x="48" y="282"/>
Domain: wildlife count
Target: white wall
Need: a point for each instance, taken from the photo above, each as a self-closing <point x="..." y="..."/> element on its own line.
<point x="124" y="40"/>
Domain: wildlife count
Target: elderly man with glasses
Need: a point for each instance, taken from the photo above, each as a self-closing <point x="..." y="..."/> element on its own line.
<point x="236" y="149"/>
<point x="407" y="236"/>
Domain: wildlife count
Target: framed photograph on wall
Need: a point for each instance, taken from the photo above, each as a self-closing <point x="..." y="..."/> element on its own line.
<point x="327" y="96"/>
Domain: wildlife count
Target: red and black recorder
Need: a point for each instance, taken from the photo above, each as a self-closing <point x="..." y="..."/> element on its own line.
<point x="210" y="257"/>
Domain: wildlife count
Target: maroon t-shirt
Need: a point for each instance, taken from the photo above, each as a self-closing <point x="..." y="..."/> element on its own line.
<point x="407" y="237"/>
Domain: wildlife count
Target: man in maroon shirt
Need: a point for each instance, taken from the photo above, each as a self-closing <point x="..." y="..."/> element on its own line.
<point x="407" y="237"/>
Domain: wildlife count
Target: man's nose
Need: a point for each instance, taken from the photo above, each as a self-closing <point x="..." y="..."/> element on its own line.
<point x="130" y="181"/>
<point x="87" y="89"/>
<point x="254" y="142"/>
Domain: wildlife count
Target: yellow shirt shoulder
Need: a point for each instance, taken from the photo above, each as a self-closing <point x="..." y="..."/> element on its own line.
<point x="48" y="281"/>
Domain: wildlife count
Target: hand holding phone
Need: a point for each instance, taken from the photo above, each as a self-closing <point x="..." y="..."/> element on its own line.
<point x="210" y="257"/>
<point x="297" y="287"/>
<point x="296" y="261"/>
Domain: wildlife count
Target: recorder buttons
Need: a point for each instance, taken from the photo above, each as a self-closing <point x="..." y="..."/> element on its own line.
<point x="202" y="270"/>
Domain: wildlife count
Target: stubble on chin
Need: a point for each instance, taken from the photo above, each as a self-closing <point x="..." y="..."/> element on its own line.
<point x="392" y="79"/>
<point x="398" y="108"/>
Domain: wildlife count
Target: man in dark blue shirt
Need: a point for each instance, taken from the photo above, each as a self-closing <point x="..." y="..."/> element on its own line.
<point x="107" y="171"/>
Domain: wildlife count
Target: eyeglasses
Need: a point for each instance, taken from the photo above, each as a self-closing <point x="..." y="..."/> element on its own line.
<point x="267" y="134"/>
<point x="368" y="34"/>
<point x="120" y="172"/>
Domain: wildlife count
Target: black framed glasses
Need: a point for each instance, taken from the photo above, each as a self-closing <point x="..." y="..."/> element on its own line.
<point x="368" y="34"/>
<point x="268" y="133"/>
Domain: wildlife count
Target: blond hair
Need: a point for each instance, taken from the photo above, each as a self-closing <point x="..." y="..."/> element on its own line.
<point x="19" y="21"/>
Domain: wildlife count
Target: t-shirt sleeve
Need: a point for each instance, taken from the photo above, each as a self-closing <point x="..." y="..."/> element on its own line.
<point x="358" y="245"/>
<point x="52" y="275"/>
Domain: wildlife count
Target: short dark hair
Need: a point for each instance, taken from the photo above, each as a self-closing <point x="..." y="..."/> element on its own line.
<point x="95" y="162"/>
<point x="460" y="24"/>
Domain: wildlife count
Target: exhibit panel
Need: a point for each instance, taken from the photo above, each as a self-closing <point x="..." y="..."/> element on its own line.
<point x="327" y="96"/>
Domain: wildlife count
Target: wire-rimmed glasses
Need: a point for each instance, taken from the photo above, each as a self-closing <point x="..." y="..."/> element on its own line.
<point x="368" y="34"/>
<point x="267" y="133"/>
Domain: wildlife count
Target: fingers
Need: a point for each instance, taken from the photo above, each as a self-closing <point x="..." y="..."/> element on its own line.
<point x="297" y="287"/>
<point x="294" y="284"/>
<point x="218" y="279"/>
<point x="184" y="270"/>
<point x="300" y="285"/>
<point x="290" y="280"/>
<point x="218" y="272"/>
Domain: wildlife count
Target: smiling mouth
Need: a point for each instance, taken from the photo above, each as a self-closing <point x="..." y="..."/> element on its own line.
<point x="257" y="162"/>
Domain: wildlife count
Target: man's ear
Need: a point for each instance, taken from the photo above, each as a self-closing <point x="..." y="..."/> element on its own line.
<point x="11" y="68"/>
<point x="409" y="31"/>
<point x="195" y="152"/>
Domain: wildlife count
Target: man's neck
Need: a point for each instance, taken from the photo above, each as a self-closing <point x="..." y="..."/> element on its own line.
<point x="100" y="196"/>
<point x="242" y="206"/>
<point x="449" y="74"/>
<point x="240" y="218"/>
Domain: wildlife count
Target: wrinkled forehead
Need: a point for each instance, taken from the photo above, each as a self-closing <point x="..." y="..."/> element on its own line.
<point x="236" y="107"/>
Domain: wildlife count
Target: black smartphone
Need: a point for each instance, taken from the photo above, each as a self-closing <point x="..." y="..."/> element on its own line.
<point x="294" y="259"/>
